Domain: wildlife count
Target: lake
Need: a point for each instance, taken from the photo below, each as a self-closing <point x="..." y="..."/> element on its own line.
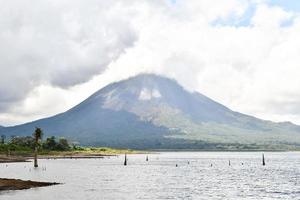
<point x="198" y="175"/>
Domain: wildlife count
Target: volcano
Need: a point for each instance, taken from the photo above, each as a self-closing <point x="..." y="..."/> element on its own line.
<point x="154" y="112"/>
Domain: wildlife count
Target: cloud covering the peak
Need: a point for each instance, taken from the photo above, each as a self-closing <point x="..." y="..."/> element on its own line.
<point x="242" y="53"/>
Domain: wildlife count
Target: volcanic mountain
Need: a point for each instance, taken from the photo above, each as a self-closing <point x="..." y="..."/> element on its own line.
<point x="153" y="112"/>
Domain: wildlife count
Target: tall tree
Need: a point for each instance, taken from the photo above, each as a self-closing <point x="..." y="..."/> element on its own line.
<point x="38" y="134"/>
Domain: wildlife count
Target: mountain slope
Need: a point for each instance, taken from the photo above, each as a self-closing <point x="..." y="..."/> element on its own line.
<point x="150" y="111"/>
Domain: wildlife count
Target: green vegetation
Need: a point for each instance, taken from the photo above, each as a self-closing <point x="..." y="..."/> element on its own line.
<point x="51" y="146"/>
<point x="54" y="146"/>
<point x="27" y="145"/>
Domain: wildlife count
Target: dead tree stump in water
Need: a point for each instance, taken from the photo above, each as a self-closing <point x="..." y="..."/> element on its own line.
<point x="125" y="161"/>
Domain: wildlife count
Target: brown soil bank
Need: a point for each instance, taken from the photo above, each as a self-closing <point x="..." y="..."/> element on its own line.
<point x="16" y="184"/>
<point x="5" y="159"/>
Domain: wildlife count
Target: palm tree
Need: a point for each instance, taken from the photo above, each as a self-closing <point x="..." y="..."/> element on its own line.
<point x="38" y="133"/>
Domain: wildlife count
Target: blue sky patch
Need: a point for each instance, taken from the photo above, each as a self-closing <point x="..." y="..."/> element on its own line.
<point x="237" y="21"/>
<point x="288" y="5"/>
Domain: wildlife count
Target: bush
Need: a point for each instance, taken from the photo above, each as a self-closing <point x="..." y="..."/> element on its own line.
<point x="52" y="144"/>
<point x="27" y="141"/>
<point x="63" y="145"/>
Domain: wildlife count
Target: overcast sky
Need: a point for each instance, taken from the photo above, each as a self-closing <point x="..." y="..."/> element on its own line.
<point x="244" y="54"/>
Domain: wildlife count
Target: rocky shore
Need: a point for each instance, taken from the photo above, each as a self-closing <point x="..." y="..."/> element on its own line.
<point x="17" y="184"/>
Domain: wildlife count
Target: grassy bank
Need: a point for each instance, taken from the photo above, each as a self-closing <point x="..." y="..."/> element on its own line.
<point x="15" y="150"/>
<point x="91" y="151"/>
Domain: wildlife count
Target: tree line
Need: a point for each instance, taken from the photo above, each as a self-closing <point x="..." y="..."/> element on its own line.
<point x="51" y="143"/>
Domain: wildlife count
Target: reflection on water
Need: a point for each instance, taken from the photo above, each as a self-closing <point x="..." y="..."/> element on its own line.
<point x="199" y="175"/>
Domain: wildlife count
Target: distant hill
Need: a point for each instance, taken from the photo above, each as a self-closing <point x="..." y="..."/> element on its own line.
<point x="154" y="112"/>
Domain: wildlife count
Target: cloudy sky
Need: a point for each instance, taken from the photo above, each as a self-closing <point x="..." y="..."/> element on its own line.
<point x="244" y="54"/>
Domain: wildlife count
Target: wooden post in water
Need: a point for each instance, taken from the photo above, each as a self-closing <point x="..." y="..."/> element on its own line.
<point x="35" y="156"/>
<point x="147" y="159"/>
<point x="263" y="160"/>
<point x="125" y="161"/>
<point x="229" y="163"/>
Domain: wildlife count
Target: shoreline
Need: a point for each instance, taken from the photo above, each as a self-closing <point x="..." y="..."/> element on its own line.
<point x="12" y="159"/>
<point x="76" y="155"/>
<point x="62" y="155"/>
<point x="17" y="159"/>
<point x="84" y="153"/>
<point x="225" y="150"/>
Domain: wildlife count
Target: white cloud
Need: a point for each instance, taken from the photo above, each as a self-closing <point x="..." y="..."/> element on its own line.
<point x="268" y="17"/>
<point x="252" y="69"/>
<point x="62" y="43"/>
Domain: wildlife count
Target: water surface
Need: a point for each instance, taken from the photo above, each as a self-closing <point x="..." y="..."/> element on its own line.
<point x="199" y="175"/>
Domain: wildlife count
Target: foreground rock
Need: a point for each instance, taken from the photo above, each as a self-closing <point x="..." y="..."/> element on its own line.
<point x="16" y="184"/>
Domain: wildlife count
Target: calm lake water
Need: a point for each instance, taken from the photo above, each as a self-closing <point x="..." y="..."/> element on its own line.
<point x="159" y="178"/>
